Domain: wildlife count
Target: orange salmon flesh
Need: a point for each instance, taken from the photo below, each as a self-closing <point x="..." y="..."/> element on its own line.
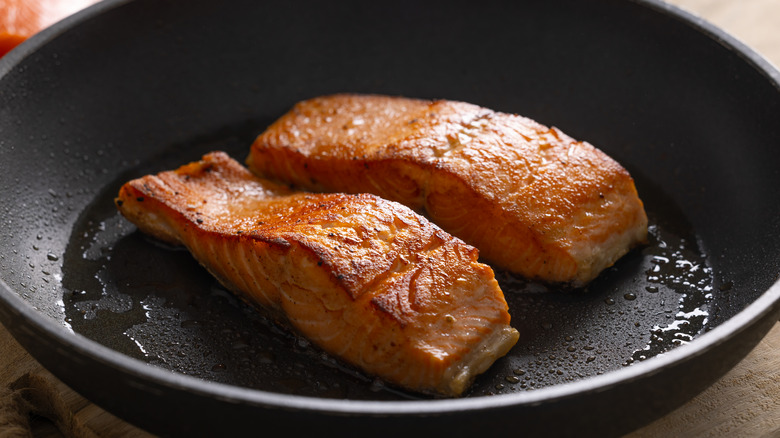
<point x="365" y="279"/>
<point x="532" y="199"/>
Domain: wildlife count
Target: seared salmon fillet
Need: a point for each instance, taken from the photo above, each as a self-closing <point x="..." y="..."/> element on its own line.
<point x="533" y="200"/>
<point x="365" y="279"/>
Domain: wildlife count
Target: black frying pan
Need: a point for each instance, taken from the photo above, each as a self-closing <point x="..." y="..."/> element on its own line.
<point x="131" y="87"/>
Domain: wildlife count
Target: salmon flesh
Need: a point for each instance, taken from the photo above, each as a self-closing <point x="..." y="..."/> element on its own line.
<point x="532" y="199"/>
<point x="365" y="279"/>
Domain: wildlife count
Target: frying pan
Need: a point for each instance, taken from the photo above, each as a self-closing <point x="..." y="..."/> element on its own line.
<point x="131" y="87"/>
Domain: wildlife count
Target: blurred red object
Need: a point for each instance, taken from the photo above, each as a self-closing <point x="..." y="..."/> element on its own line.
<point x="20" y="19"/>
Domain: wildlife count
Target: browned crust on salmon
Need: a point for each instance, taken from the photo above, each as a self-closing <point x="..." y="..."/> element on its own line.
<point x="533" y="200"/>
<point x="365" y="279"/>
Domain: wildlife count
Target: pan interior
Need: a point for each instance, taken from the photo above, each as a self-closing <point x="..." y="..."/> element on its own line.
<point x="156" y="304"/>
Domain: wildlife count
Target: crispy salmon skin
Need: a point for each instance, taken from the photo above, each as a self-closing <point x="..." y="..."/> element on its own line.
<point x="367" y="280"/>
<point x="533" y="200"/>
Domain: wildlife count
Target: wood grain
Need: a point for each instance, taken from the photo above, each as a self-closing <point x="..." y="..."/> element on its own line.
<point x="744" y="403"/>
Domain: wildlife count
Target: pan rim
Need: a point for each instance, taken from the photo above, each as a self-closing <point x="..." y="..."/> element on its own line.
<point x="767" y="303"/>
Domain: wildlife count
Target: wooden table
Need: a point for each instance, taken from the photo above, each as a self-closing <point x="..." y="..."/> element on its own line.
<point x="744" y="403"/>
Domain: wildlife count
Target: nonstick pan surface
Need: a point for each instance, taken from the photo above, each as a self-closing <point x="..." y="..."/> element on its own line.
<point x="131" y="87"/>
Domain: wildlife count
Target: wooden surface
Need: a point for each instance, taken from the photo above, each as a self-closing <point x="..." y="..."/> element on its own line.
<point x="745" y="403"/>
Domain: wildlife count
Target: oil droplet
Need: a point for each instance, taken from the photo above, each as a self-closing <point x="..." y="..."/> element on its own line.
<point x="630" y="296"/>
<point x="265" y="357"/>
<point x="609" y="301"/>
<point x="52" y="257"/>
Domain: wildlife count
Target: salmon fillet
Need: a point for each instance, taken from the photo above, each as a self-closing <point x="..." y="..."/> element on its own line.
<point x="365" y="279"/>
<point x="533" y="200"/>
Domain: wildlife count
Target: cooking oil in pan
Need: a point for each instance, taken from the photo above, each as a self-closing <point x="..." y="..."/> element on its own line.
<point x="656" y="299"/>
<point x="156" y="304"/>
